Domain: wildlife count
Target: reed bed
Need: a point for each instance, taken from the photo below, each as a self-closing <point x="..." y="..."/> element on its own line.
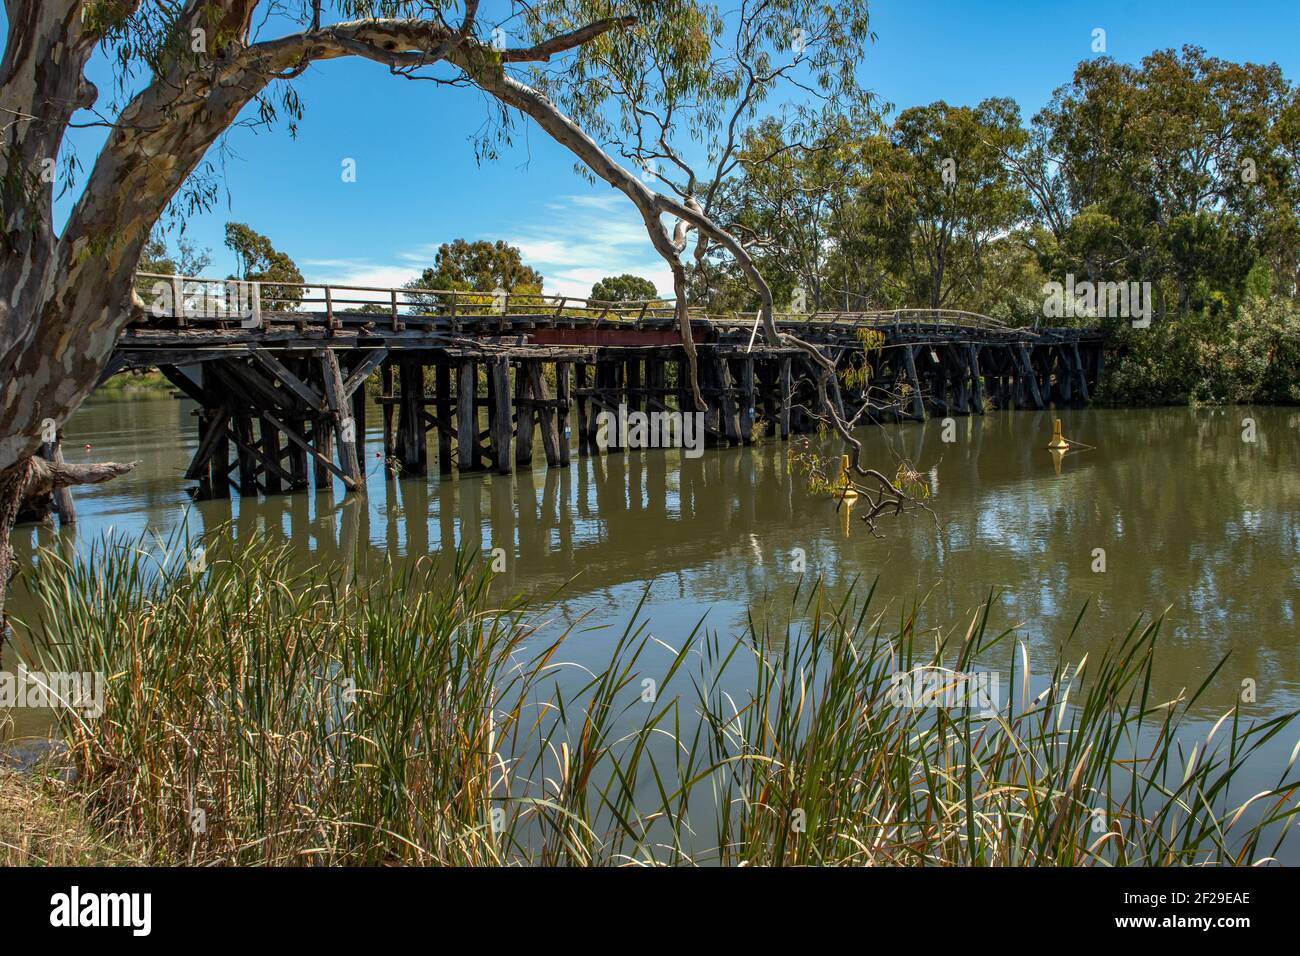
<point x="258" y="713"/>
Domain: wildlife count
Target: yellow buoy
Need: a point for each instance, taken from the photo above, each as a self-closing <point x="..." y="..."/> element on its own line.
<point x="1058" y="442"/>
<point x="844" y="489"/>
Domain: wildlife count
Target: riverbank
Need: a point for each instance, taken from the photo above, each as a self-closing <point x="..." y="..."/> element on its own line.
<point x="147" y="383"/>
<point x="1218" y="356"/>
<point x="45" y="822"/>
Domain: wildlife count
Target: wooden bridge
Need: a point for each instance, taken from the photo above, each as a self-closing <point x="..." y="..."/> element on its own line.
<point x="279" y="373"/>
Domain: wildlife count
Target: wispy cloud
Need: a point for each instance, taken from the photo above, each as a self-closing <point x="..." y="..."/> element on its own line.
<point x="357" y="272"/>
<point x="583" y="239"/>
<point x="575" y="242"/>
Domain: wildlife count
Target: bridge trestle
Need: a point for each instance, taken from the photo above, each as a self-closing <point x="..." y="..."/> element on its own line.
<point x="284" y="408"/>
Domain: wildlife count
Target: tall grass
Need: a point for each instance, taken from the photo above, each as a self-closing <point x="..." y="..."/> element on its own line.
<point x="260" y="714"/>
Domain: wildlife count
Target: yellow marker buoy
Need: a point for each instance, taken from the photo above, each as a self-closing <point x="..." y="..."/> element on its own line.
<point x="1058" y="442"/>
<point x="844" y="489"/>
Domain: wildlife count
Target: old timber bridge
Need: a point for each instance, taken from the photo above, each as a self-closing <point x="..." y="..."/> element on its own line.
<point x="280" y="381"/>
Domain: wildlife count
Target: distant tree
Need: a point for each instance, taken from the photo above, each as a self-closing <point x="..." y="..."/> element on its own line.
<point x="480" y="266"/>
<point x="623" y="288"/>
<point x="948" y="168"/>
<point x="1188" y="199"/>
<point x="259" y="261"/>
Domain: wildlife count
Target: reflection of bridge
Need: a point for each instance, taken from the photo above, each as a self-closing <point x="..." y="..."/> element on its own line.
<point x="278" y="372"/>
<point x="624" y="519"/>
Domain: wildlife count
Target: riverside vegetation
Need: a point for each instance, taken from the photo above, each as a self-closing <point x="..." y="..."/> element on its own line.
<point x="258" y="714"/>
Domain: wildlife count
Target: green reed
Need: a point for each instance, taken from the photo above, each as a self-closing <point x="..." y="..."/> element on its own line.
<point x="259" y="713"/>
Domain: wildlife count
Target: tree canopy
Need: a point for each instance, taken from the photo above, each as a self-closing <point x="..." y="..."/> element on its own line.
<point x="972" y="208"/>
<point x="478" y="266"/>
<point x="259" y="261"/>
<point x="623" y="288"/>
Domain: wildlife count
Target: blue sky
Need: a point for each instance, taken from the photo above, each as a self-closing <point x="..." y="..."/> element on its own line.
<point x="418" y="183"/>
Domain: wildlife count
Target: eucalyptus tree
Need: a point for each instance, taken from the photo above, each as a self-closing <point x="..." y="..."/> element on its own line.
<point x="481" y="266"/>
<point x="1168" y="168"/>
<point x="257" y="260"/>
<point x="958" y="192"/>
<point x="623" y="288"/>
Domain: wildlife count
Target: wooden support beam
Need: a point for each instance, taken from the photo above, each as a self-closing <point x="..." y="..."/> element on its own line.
<point x="747" y="400"/>
<point x="958" y="379"/>
<point x="1030" y="376"/>
<point x="369" y="362"/>
<point x="502" y="420"/>
<point x="116" y="362"/>
<point x="297" y="425"/>
<point x="305" y="393"/>
<point x="976" y="378"/>
<point x="413" y="450"/>
<point x="358" y="400"/>
<point x="709" y="384"/>
<point x="213" y="425"/>
<point x="467" y="415"/>
<point x="386" y="380"/>
<point x="322" y="439"/>
<point x="584" y="444"/>
<point x="525" y="415"/>
<point x="563" y="388"/>
<point x="250" y="385"/>
<point x="219" y="468"/>
<point x="1084" y="394"/>
<point x="546" y="414"/>
<point x="192" y="389"/>
<point x="257" y="456"/>
<point x="914" y="380"/>
<point x="727" y="400"/>
<point x="242" y="434"/>
<point x="345" y="426"/>
<point x="605" y="396"/>
<point x="297" y="455"/>
<point x="271" y="451"/>
<point x="632" y="385"/>
<point x="787" y="397"/>
<point x="323" y="464"/>
<point x="442" y="390"/>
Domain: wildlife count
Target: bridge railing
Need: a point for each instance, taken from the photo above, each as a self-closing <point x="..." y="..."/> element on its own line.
<point x="189" y="300"/>
<point x="196" y="300"/>
<point x="883" y="317"/>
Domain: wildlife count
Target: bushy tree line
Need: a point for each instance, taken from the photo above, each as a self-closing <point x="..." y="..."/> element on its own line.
<point x="1178" y="173"/>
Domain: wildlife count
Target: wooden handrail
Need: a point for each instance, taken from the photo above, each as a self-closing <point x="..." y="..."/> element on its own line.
<point x="458" y="304"/>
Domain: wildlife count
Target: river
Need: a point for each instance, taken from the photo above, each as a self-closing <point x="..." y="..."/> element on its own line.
<point x="1189" y="513"/>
